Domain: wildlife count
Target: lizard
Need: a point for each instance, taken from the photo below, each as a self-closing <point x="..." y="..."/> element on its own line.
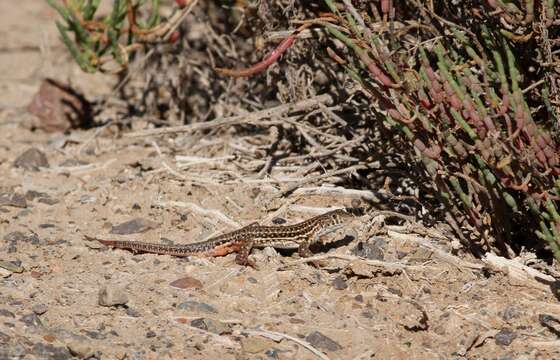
<point x="297" y="236"/>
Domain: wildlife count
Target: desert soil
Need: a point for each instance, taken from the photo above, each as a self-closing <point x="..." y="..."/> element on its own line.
<point x="64" y="297"/>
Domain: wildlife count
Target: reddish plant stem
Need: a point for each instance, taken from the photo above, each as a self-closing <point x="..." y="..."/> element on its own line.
<point x="267" y="61"/>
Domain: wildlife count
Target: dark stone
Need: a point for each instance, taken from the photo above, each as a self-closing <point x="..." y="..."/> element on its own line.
<point x="510" y="313"/>
<point x="32" y="159"/>
<point x="136" y="206"/>
<point x="4" y="338"/>
<point x="48" y="201"/>
<point x="551" y="323"/>
<point x="505" y="337"/>
<point x="49" y="351"/>
<point x="321" y="341"/>
<point x="31" y="320"/>
<point x="401" y="254"/>
<point x="32" y="195"/>
<point x="133" y="226"/>
<point x="373" y="249"/>
<point x="150" y="334"/>
<point x="15" y="236"/>
<point x="133" y="312"/>
<point x="272" y="353"/>
<point x="7" y="313"/>
<point x="13" y="199"/>
<point x="340" y="283"/>
<point x="46" y="226"/>
<point x="196" y="306"/>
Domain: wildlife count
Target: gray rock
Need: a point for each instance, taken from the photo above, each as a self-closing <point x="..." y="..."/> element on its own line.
<point x="32" y="159"/>
<point x="81" y="347"/>
<point x="133" y="312"/>
<point x="134" y="226"/>
<point x="111" y="295"/>
<point x="31" y="320"/>
<point x="49" y="351"/>
<point x="505" y="337"/>
<point x="4" y="338"/>
<point x="32" y="195"/>
<point x="39" y="309"/>
<point x="213" y="326"/>
<point x="15" y="236"/>
<point x="13" y="266"/>
<point x="323" y="342"/>
<point x="7" y="313"/>
<point x="510" y="313"/>
<point x="48" y="201"/>
<point x="13" y="199"/>
<point x="373" y="249"/>
<point x="339" y="283"/>
<point x="196" y="306"/>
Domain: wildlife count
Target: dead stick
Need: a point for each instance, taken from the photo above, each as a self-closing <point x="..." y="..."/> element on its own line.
<point x="238" y="119"/>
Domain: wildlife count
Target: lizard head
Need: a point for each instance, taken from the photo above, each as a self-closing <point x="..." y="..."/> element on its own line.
<point x="338" y="216"/>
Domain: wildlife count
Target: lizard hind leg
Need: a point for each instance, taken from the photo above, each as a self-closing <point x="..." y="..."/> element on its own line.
<point x="305" y="252"/>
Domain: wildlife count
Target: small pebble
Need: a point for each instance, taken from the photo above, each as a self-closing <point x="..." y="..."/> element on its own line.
<point x="31" y="320"/>
<point x="510" y="313"/>
<point x="15" y="236"/>
<point x="7" y="313"/>
<point x="32" y="159"/>
<point x="340" y="283"/>
<point x="111" y="295"/>
<point x="13" y="266"/>
<point x="214" y="326"/>
<point x="323" y="342"/>
<point x="186" y="282"/>
<point x="39" y="309"/>
<point x="133" y="312"/>
<point x="13" y="199"/>
<point x="505" y="337"/>
<point x="81" y="347"/>
<point x="196" y="306"/>
<point x="373" y="249"/>
<point x="150" y="334"/>
<point x="49" y="351"/>
<point x="48" y="201"/>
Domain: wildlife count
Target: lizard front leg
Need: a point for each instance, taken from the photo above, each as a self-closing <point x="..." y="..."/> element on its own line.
<point x="242" y="257"/>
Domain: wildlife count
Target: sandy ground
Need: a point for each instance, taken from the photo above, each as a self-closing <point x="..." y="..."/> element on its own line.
<point x="63" y="297"/>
